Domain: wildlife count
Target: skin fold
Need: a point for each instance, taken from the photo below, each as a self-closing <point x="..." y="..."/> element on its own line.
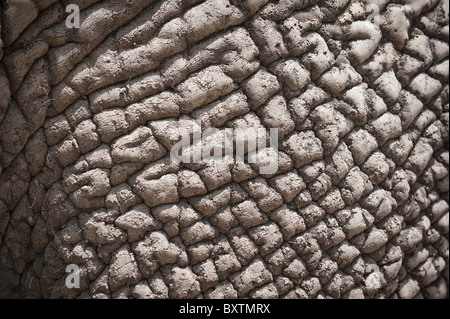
<point x="356" y="207"/>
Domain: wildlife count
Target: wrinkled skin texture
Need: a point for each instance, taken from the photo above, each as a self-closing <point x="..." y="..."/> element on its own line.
<point x="85" y="172"/>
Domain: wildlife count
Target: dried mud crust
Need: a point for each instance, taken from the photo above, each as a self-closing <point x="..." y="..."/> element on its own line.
<point x="362" y="182"/>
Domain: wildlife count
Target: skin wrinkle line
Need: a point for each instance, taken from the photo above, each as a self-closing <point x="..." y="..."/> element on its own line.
<point x="144" y="74"/>
<point x="106" y="39"/>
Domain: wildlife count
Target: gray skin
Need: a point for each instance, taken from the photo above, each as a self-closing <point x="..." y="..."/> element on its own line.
<point x="358" y="206"/>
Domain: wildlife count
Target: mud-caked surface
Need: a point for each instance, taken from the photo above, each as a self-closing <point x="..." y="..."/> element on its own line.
<point x="358" y="207"/>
